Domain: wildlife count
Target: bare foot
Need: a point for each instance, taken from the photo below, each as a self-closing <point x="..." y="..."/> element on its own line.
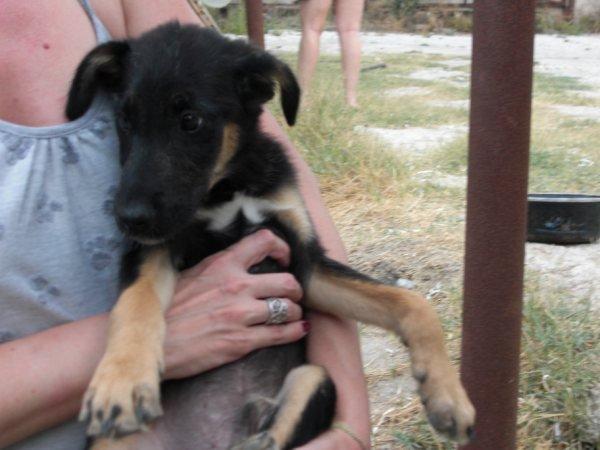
<point x="352" y="103"/>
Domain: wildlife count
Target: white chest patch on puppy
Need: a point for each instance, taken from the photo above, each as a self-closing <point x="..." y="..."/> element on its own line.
<point x="253" y="209"/>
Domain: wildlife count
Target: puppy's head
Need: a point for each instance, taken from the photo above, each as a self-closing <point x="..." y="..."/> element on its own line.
<point x="185" y="96"/>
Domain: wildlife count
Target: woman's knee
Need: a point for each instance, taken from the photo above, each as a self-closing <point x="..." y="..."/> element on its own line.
<point x="345" y="24"/>
<point x="313" y="28"/>
<point x="313" y="15"/>
<point x="348" y="15"/>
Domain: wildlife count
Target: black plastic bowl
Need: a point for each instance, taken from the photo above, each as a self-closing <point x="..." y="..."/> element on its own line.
<point x="563" y="218"/>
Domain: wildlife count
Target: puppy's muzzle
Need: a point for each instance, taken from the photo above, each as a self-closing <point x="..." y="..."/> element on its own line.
<point x="137" y="219"/>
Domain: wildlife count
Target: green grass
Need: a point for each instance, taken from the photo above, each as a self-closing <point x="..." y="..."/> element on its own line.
<point x="559" y="89"/>
<point x="234" y="22"/>
<point x="547" y="22"/>
<point x="561" y="362"/>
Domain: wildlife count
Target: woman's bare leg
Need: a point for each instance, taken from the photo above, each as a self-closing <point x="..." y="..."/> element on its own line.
<point x="348" y="16"/>
<point x="313" y="14"/>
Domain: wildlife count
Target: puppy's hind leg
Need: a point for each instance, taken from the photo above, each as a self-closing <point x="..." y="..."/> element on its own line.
<point x="336" y="289"/>
<point x="126" y="443"/>
<point x="303" y="409"/>
<point x="137" y="441"/>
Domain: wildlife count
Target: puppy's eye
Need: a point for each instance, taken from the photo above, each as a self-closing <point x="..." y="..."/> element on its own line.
<point x="190" y="121"/>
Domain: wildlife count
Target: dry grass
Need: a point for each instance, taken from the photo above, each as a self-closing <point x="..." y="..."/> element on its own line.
<point x="397" y="226"/>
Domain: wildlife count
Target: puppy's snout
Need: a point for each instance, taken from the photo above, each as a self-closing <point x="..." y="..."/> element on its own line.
<point x="136" y="217"/>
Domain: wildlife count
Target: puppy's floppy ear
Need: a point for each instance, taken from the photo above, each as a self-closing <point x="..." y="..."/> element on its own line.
<point x="255" y="77"/>
<point x="103" y="67"/>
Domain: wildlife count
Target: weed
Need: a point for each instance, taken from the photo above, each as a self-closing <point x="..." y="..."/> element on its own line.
<point x="561" y="354"/>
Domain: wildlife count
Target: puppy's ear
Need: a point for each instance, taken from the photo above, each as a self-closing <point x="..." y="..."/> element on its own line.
<point x="255" y="77"/>
<point x="103" y="67"/>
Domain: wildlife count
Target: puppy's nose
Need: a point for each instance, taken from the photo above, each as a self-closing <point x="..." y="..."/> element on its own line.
<point x="136" y="217"/>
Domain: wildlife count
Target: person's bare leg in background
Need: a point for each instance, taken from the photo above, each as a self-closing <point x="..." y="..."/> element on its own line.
<point x="313" y="15"/>
<point x="348" y="16"/>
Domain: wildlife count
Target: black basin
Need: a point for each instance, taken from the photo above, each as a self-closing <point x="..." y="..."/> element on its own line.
<point x="563" y="218"/>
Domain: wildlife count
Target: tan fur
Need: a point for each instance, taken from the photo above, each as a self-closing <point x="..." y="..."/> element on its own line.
<point x="290" y="209"/>
<point x="228" y="148"/>
<point x="301" y="383"/>
<point x="135" y="441"/>
<point x="125" y="443"/>
<point x="415" y="321"/>
<point x="130" y="368"/>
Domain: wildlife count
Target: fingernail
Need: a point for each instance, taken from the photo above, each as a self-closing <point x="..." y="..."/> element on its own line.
<point x="306" y="326"/>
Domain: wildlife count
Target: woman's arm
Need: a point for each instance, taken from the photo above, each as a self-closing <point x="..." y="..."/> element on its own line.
<point x="330" y="334"/>
<point x="44" y="376"/>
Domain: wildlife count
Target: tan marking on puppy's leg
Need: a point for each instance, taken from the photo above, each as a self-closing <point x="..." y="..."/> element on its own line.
<point x="137" y="441"/>
<point x="300" y="386"/>
<point x="414" y="319"/>
<point x="124" y="393"/>
<point x="290" y="209"/>
<point x="125" y="443"/>
<point x="229" y="145"/>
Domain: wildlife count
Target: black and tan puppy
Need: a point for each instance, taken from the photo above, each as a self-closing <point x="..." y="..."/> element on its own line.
<point x="197" y="176"/>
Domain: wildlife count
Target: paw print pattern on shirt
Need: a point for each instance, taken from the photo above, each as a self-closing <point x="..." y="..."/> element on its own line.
<point x="45" y="209"/>
<point x="102" y="251"/>
<point x="70" y="156"/>
<point x="46" y="292"/>
<point x="100" y="127"/>
<point x="109" y="204"/>
<point x="17" y="148"/>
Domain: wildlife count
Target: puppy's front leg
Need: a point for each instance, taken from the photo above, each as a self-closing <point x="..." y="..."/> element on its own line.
<point x="124" y="393"/>
<point x="339" y="290"/>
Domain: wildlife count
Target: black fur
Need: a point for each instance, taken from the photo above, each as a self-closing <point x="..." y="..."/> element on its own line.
<point x="102" y="68"/>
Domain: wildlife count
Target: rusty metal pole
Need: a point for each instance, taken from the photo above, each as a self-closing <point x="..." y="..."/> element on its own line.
<point x="255" y="22"/>
<point x="501" y="86"/>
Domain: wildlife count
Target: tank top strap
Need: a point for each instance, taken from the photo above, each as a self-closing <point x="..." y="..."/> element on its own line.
<point x="102" y="34"/>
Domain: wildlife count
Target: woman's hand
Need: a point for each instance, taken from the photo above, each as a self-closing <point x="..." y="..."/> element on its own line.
<point x="218" y="312"/>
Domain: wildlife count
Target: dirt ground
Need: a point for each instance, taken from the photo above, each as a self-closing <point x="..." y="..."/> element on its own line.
<point x="575" y="56"/>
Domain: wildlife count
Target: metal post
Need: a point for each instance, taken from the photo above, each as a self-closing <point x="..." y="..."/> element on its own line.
<point x="496" y="215"/>
<point x="569" y="11"/>
<point x="255" y="22"/>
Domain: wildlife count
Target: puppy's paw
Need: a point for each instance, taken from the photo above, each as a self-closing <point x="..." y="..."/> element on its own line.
<point x="448" y="407"/>
<point x="260" y="441"/>
<point x="122" y="398"/>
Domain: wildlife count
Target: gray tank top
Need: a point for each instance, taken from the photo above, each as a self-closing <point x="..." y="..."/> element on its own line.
<point x="59" y="246"/>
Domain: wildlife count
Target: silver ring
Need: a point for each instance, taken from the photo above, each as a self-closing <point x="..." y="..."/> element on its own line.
<point x="278" y="311"/>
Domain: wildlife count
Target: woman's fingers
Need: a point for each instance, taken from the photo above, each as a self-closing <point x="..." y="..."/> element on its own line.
<point x="258" y="311"/>
<point x="254" y="248"/>
<point x="261" y="336"/>
<point x="242" y="255"/>
<point x="275" y="285"/>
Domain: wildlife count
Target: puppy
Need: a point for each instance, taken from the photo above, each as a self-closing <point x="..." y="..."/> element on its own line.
<point x="198" y="175"/>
